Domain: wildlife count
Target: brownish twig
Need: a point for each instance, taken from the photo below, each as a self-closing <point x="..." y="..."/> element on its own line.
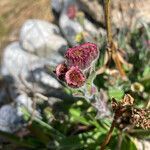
<point x="112" y="54"/>
<point x="108" y="21"/>
<point x="108" y="137"/>
<point x="112" y="47"/>
<point x="117" y="60"/>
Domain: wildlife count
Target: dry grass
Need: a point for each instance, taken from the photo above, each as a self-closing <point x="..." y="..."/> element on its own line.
<point x="13" y="14"/>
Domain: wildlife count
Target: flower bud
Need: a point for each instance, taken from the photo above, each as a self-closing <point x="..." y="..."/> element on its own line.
<point x="60" y="71"/>
<point x="74" y="77"/>
<point x="137" y="87"/>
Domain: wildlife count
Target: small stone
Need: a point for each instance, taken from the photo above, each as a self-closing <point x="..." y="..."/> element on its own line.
<point x="16" y="61"/>
<point x="10" y="120"/>
<point x="21" y="64"/>
<point x="41" y="38"/>
<point x="24" y="100"/>
<point x="41" y="78"/>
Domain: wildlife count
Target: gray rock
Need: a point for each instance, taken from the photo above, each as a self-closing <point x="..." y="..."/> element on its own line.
<point x="24" y="100"/>
<point x="41" y="38"/>
<point x="57" y="5"/>
<point x="19" y="63"/>
<point x="72" y="27"/>
<point x="15" y="61"/>
<point x="10" y="120"/>
<point x="54" y="59"/>
<point x="129" y="17"/>
<point x="121" y="14"/>
<point x="90" y="27"/>
<point x="92" y="8"/>
<point x="44" y="79"/>
<point x="2" y="96"/>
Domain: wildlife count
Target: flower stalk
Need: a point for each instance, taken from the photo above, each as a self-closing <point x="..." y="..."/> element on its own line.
<point x="108" y="21"/>
<point x="112" y="48"/>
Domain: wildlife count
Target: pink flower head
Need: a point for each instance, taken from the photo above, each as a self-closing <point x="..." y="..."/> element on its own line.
<point x="74" y="77"/>
<point x="82" y="55"/>
<point x="71" y="11"/>
<point x="61" y="70"/>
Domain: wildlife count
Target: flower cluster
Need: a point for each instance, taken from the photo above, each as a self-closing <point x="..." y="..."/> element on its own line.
<point x="82" y="55"/>
<point x="78" y="59"/>
<point x="128" y="116"/>
<point x="140" y="118"/>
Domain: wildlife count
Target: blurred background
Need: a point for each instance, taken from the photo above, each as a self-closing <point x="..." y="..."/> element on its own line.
<point x="14" y="13"/>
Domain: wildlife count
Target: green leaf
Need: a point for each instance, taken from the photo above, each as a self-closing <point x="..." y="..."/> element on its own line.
<point x="75" y="115"/>
<point x="128" y="144"/>
<point x="146" y="71"/>
<point x="41" y="124"/>
<point x="116" y="93"/>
